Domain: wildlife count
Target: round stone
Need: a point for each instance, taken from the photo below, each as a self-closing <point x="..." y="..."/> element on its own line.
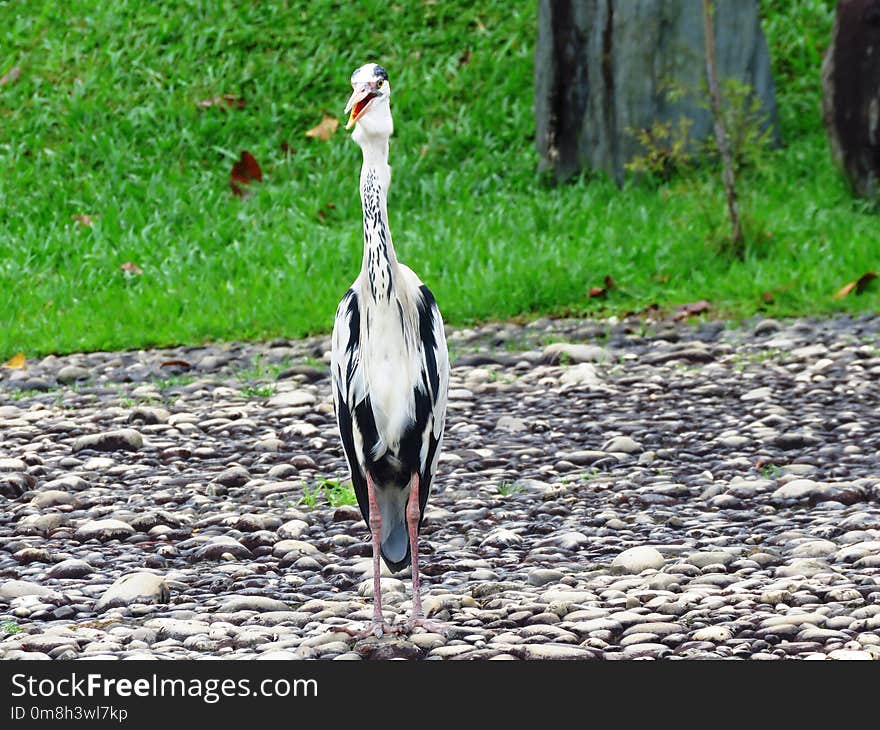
<point x="637" y="559"/>
<point x="140" y="587"/>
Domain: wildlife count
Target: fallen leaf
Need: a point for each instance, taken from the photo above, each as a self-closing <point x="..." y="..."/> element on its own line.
<point x="243" y="171"/>
<point x="224" y="102"/>
<point x="859" y="285"/>
<point x="693" y="308"/>
<point x="323" y="212"/>
<point x="601" y="291"/>
<point x="864" y="280"/>
<point x="325" y="129"/>
<point x="130" y="267"/>
<point x="83" y="219"/>
<point x="176" y="364"/>
<point x="16" y="362"/>
<point x="661" y="278"/>
<point x="11" y="76"/>
<point x="769" y="296"/>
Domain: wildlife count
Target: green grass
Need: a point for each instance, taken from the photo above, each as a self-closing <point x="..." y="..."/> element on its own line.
<point x="174" y="381"/>
<point x="258" y="391"/>
<point x="508" y="488"/>
<point x="10" y="628"/>
<point x="25" y="394"/>
<point x="104" y="121"/>
<point x="260" y="369"/>
<point x="328" y="491"/>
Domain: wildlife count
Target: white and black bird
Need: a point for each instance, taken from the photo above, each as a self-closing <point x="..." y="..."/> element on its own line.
<point x="390" y="364"/>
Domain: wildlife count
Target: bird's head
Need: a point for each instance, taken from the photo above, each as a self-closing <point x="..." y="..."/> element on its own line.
<point x="369" y="101"/>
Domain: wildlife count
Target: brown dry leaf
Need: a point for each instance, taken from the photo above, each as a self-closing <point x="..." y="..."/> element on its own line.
<point x="693" y="308"/>
<point x="601" y="291"/>
<point x="16" y="362"/>
<point x="769" y="296"/>
<point x="130" y="267"/>
<point x="859" y="285"/>
<point x="243" y="171"/>
<point x="324" y="212"/>
<point x="82" y="219"/>
<point x="224" y="102"/>
<point x="864" y="280"/>
<point x="11" y="76"/>
<point x="325" y="129"/>
<point x="176" y="364"/>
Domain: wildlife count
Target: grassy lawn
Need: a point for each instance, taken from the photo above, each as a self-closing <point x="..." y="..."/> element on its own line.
<point x="105" y="121"/>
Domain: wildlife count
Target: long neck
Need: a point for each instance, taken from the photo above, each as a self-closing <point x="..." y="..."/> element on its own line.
<point x="380" y="262"/>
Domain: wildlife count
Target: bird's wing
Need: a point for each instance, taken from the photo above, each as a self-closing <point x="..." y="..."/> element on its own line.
<point x="435" y="380"/>
<point x="348" y="389"/>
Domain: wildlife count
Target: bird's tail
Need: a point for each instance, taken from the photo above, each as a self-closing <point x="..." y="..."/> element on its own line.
<point x="395" y="548"/>
<point x="394" y="541"/>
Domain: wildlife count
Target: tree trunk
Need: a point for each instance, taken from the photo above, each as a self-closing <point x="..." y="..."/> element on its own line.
<point x="603" y="69"/>
<point x="851" y="94"/>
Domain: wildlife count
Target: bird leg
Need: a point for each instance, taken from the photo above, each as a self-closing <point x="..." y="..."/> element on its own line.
<point x="377" y="625"/>
<point x="413" y="515"/>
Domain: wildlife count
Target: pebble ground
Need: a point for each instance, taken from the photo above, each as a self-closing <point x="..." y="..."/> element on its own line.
<point x="608" y="490"/>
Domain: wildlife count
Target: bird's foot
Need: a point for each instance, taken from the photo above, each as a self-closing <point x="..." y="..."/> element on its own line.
<point x="377" y="628"/>
<point x="434" y="627"/>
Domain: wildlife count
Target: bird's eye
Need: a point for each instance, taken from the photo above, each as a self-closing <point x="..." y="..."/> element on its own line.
<point x="379" y="83"/>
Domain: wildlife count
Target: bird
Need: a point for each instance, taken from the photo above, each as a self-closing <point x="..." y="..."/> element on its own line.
<point x="390" y="366"/>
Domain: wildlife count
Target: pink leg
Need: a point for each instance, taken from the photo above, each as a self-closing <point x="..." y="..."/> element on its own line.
<point x="377" y="625"/>
<point x="412" y="522"/>
<point x="376" y="530"/>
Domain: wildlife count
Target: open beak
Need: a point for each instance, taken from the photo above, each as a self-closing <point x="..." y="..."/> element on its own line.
<point x="358" y="102"/>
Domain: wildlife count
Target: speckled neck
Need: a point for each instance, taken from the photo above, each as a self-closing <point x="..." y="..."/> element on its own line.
<point x="380" y="261"/>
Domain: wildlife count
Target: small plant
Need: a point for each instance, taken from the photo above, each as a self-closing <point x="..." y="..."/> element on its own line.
<point x="770" y="471"/>
<point x="10" y="628"/>
<point x="260" y="369"/>
<point x="507" y="488"/>
<point x="667" y="150"/>
<point x="174" y="381"/>
<point x="25" y="393"/>
<point x="258" y="391"/>
<point x="313" y="362"/>
<point x="124" y="399"/>
<point x="309" y="497"/>
<point x="335" y="493"/>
